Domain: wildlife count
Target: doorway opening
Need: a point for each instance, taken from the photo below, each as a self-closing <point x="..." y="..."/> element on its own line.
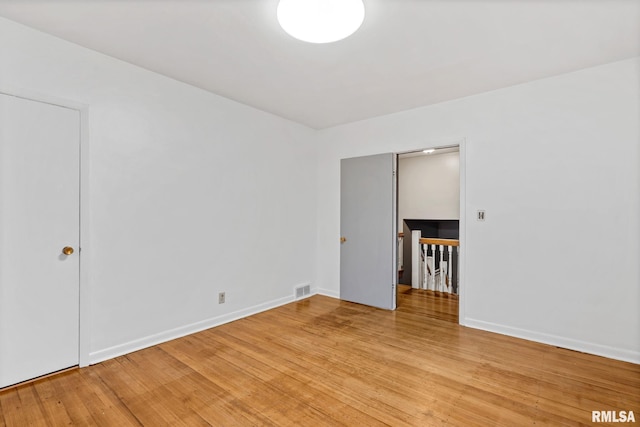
<point x="429" y="232"/>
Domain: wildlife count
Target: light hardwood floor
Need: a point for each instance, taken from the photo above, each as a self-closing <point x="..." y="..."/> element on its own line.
<point x="434" y="305"/>
<point x="320" y="362"/>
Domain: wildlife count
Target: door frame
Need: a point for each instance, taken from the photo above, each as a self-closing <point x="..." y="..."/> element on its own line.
<point x="84" y="251"/>
<point x="461" y="143"/>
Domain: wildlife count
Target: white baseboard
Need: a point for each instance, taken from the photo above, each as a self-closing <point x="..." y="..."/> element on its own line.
<point x="328" y="293"/>
<point x="151" y="340"/>
<point x="583" y="346"/>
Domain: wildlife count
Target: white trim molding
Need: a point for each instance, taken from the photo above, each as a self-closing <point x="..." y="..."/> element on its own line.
<point x="171" y="334"/>
<point x="558" y="341"/>
<point x="328" y="293"/>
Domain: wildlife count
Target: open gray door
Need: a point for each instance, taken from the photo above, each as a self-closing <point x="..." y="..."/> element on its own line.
<point x="368" y="230"/>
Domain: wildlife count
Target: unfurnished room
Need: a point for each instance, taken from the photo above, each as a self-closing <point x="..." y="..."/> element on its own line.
<point x="319" y="212"/>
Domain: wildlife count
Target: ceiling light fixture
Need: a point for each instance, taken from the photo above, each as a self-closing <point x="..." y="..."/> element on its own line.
<point x="320" y="21"/>
<point x="429" y="151"/>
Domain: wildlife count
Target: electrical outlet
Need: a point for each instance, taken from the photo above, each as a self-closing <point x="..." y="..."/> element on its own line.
<point x="221" y="298"/>
<point x="481" y="215"/>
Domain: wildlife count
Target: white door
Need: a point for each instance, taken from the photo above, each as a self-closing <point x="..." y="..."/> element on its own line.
<point x="368" y="263"/>
<point x="39" y="217"/>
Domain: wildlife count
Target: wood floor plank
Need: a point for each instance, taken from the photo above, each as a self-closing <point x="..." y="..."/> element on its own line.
<point x="53" y="407"/>
<point x="347" y="388"/>
<point x="325" y="362"/>
<point x="333" y="409"/>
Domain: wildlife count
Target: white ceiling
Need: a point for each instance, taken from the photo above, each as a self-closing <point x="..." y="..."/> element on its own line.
<point x="408" y="53"/>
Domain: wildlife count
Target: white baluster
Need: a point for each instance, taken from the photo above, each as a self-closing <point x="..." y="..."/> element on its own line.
<point x="425" y="267"/>
<point x="416" y="261"/>
<point x="400" y="253"/>
<point x="449" y="262"/>
<point x="458" y="270"/>
<point x="441" y="270"/>
<point x="432" y="271"/>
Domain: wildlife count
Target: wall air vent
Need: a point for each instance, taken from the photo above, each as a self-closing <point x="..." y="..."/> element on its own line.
<point x="302" y="291"/>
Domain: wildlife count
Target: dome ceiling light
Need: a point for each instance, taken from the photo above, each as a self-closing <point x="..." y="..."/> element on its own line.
<point x="320" y="21"/>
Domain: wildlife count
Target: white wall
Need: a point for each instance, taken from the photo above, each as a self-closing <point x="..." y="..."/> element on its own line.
<point x="190" y="194"/>
<point x="555" y="165"/>
<point x="429" y="187"/>
<point x="174" y="214"/>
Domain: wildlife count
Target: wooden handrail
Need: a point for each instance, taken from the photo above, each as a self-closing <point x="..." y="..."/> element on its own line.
<point x="446" y="242"/>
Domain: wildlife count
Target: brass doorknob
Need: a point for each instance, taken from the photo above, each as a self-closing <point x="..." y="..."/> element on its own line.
<point x="67" y="250"/>
<point x="343" y="239"/>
